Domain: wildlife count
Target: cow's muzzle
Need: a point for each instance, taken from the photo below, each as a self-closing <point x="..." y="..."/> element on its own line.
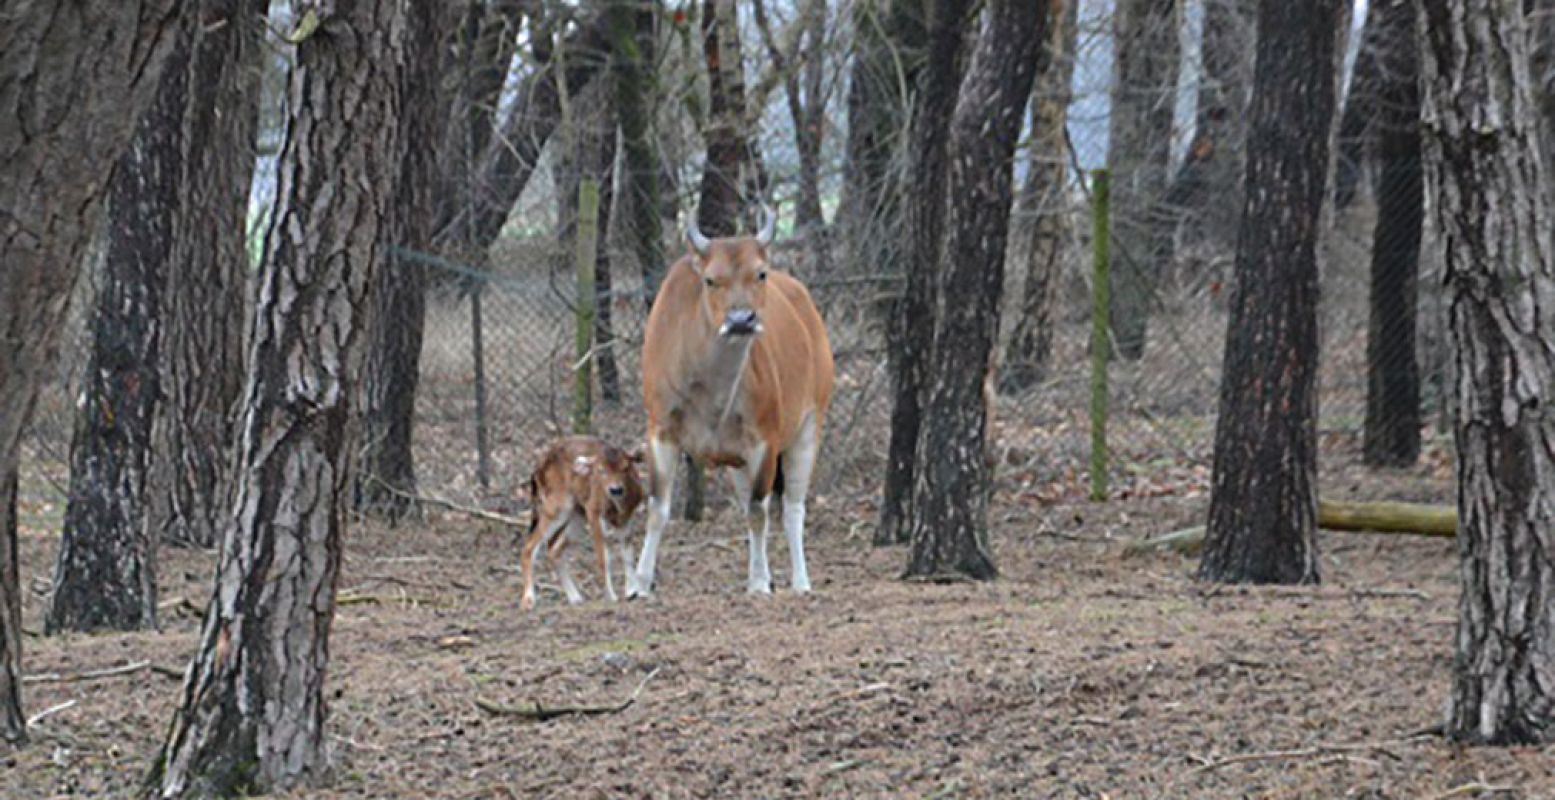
<point x="740" y="322"/>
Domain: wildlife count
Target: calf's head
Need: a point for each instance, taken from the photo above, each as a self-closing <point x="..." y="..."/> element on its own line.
<point x="613" y="474"/>
<point x="734" y="278"/>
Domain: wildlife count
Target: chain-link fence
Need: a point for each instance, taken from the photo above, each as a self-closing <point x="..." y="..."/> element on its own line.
<point x="488" y="400"/>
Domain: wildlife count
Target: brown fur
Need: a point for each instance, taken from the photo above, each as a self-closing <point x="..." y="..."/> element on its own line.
<point x="561" y="489"/>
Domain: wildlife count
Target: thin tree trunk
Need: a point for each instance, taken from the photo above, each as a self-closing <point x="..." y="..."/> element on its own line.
<point x="1139" y="150"/>
<point x="388" y="473"/>
<point x="207" y="279"/>
<point x="632" y="58"/>
<point x="1031" y="342"/>
<point x="1263" y="502"/>
<point x="1486" y="173"/>
<point x="1359" y="110"/>
<point x="801" y="66"/>
<point x="1392" y="428"/>
<point x="888" y="56"/>
<point x="105" y="572"/>
<point x="252" y="715"/>
<point x="1208" y="187"/>
<point x="950" y="498"/>
<point x="75" y="79"/>
<point x="912" y="329"/>
<point x="592" y="155"/>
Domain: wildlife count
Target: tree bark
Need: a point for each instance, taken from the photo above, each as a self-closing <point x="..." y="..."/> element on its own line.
<point x="75" y="80"/>
<point x="105" y="571"/>
<point x="252" y="715"/>
<point x="207" y="278"/>
<point x="593" y="152"/>
<point x="1392" y="427"/>
<point x="1541" y="67"/>
<point x="952" y="482"/>
<point x="1139" y="151"/>
<point x="632" y="58"/>
<point x="1487" y="176"/>
<point x="801" y="66"/>
<point x="1263" y="501"/>
<point x="1031" y="342"/>
<point x="912" y="330"/>
<point x="388" y="473"/>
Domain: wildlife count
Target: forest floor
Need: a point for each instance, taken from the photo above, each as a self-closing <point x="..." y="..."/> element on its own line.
<point x="1079" y="673"/>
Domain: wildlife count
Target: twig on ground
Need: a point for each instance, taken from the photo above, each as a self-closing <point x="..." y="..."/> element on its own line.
<point x="41" y="715"/>
<point x="75" y="677"/>
<point x="418" y="584"/>
<point x="175" y="674"/>
<point x="478" y="513"/>
<point x="1415" y="593"/>
<point x="539" y="713"/>
<point x="1474" y="787"/>
<point x="1306" y="752"/>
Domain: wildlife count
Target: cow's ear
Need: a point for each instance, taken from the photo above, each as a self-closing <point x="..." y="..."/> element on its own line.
<point x="582" y="465"/>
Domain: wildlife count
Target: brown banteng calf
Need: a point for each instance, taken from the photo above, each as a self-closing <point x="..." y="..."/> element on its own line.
<point x="581" y="482"/>
<point x="737" y="372"/>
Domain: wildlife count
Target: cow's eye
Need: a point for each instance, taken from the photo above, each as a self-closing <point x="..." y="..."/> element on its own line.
<point x="761" y="276"/>
<point x="708" y="282"/>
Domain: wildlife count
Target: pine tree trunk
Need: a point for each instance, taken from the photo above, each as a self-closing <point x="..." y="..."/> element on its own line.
<point x="1138" y="154"/>
<point x="632" y="49"/>
<point x="1487" y="175"/>
<point x="253" y="710"/>
<point x="1392" y="428"/>
<point x="952" y="482"/>
<point x="75" y="82"/>
<point x="105" y="572"/>
<point x="388" y="470"/>
<point x="912" y="329"/>
<point x="207" y="273"/>
<point x="1263" y="502"/>
<point x="1031" y="341"/>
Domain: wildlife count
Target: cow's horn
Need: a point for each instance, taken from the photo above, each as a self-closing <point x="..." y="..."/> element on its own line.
<point x="699" y="243"/>
<point x="768" y="226"/>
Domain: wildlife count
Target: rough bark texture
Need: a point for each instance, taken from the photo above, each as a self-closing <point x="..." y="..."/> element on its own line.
<point x="105" y="572"/>
<point x="207" y="278"/>
<point x="950" y="498"/>
<point x="632" y="58"/>
<point x="1392" y="429"/>
<point x="1145" y="65"/>
<point x="1541" y="67"/>
<point x="252" y="715"/>
<point x="912" y="330"/>
<point x="74" y="79"/>
<point x="1044" y="196"/>
<point x="1263" y="502"/>
<point x="1486" y="171"/>
<point x="388" y="469"/>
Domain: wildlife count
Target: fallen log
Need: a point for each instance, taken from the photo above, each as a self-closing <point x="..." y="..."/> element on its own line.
<point x="1416" y="518"/>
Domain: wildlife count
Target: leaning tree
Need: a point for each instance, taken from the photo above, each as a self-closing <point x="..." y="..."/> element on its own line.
<point x="1486" y="176"/>
<point x="253" y="708"/>
<point x="75" y="77"/>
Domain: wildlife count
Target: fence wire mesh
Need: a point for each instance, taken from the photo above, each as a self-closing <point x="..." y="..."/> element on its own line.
<point x="1162" y="404"/>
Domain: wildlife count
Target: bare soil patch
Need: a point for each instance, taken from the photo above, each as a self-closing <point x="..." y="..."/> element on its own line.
<point x="1077" y="674"/>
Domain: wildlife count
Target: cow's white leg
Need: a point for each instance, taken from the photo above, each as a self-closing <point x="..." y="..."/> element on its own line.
<point x="798" y="465"/>
<point x="575" y="531"/>
<point x="662" y="458"/>
<point x="756" y="524"/>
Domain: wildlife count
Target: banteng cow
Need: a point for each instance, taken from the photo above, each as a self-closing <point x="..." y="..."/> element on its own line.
<point x="580" y="482"/>
<point x="737" y="372"/>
